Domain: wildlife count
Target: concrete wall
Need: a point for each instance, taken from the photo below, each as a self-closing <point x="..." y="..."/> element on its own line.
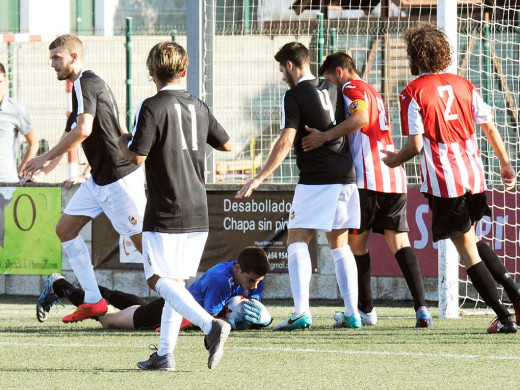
<point x="323" y="283"/>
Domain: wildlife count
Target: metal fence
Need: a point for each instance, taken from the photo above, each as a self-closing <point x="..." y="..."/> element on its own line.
<point x="245" y="86"/>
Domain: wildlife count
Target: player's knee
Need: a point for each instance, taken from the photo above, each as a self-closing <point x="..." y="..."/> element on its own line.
<point x="63" y="233"/>
<point x="68" y="229"/>
<point x="358" y="246"/>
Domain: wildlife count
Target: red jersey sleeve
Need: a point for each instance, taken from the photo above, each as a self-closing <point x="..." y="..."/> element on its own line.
<point x="355" y="96"/>
<point x="404" y="104"/>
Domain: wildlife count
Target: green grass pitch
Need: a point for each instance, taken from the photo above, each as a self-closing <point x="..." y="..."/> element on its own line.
<point x="455" y="354"/>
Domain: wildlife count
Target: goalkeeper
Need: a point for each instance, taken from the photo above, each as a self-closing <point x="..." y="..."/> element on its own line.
<point x="211" y="290"/>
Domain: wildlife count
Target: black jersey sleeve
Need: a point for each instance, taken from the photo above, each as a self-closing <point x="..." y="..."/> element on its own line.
<point x="217" y="136"/>
<point x="145" y="132"/>
<point x="290" y="111"/>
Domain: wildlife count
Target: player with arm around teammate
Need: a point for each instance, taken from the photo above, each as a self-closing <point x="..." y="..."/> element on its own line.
<point x="325" y="198"/>
<point x="382" y="190"/>
<point x="116" y="186"/>
<point x="243" y="277"/>
<point x="437" y="114"/>
<point x="171" y="131"/>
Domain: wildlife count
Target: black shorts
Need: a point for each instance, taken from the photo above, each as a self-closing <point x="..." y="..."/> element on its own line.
<point x="452" y="217"/>
<point x="149" y="316"/>
<point x="382" y="211"/>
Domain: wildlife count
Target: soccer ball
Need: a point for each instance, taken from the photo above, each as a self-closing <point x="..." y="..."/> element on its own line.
<point x="233" y="309"/>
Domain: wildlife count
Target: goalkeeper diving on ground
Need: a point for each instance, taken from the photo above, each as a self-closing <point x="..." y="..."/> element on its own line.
<point x="212" y="290"/>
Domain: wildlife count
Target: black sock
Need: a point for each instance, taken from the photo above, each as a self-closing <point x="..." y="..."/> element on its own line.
<point x="486" y="287"/>
<point x="407" y="260"/>
<point x="498" y="271"/>
<point x="120" y="299"/>
<point x="365" y="301"/>
<point x="64" y="289"/>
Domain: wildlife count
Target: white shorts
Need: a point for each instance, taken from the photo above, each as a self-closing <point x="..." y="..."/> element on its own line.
<point x="122" y="201"/>
<point x="325" y="207"/>
<point x="172" y="255"/>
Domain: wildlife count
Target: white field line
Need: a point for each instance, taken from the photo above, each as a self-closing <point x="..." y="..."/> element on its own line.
<point x="281" y="349"/>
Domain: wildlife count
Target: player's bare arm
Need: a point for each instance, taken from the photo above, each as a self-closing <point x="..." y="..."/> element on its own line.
<point x="227" y="147"/>
<point x="39" y="176"/>
<point x="507" y="172"/>
<point x="412" y="148"/>
<point x="69" y="141"/>
<point x="131" y="156"/>
<point x="353" y="123"/>
<point x="33" y="144"/>
<point x="280" y="150"/>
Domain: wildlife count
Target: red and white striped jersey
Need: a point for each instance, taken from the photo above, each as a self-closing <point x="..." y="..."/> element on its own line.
<point x="366" y="143"/>
<point x="442" y="107"/>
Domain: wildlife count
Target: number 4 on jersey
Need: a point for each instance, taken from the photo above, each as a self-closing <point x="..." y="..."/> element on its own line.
<point x="327" y="104"/>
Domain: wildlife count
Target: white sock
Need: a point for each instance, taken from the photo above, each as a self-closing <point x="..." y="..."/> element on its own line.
<point x="170" y="326"/>
<point x="81" y="264"/>
<point x="183" y="303"/>
<point x="346" y="275"/>
<point x="300" y="272"/>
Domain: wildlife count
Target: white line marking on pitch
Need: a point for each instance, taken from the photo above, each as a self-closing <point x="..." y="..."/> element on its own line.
<point x="284" y="349"/>
<point x="381" y="353"/>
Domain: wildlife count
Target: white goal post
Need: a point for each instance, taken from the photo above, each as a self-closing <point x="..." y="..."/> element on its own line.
<point x="447" y="256"/>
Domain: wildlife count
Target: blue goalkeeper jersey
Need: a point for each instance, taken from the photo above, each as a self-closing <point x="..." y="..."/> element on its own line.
<point x="216" y="286"/>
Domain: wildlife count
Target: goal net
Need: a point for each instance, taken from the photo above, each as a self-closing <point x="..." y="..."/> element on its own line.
<point x="247" y="34"/>
<point x="245" y="86"/>
<point x="489" y="37"/>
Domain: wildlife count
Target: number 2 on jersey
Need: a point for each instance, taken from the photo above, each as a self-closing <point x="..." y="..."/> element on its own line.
<point x="448" y="116"/>
<point x="193" y="116"/>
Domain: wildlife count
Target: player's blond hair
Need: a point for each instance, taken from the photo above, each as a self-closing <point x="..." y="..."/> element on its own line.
<point x="167" y="61"/>
<point x="428" y="49"/>
<point x="70" y="43"/>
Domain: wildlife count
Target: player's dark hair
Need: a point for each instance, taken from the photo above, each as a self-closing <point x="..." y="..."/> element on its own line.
<point x="2" y="68"/>
<point x="167" y="61"/>
<point x="295" y="52"/>
<point x="428" y="49"/>
<point x="68" y="42"/>
<point x="253" y="259"/>
<point x="335" y="60"/>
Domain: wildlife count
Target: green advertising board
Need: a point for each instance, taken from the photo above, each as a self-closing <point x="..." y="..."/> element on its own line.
<point x="28" y="243"/>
